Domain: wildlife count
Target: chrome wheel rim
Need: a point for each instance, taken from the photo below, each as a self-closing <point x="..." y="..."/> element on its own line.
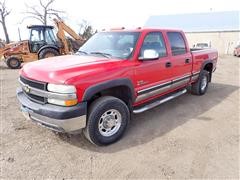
<point x="204" y="83"/>
<point x="110" y="122"/>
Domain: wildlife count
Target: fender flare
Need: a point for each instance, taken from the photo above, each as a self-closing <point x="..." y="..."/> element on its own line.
<point x="90" y="91"/>
<point x="48" y="46"/>
<point x="204" y="64"/>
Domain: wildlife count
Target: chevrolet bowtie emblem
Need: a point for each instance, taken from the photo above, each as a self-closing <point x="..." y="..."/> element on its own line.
<point x="26" y="88"/>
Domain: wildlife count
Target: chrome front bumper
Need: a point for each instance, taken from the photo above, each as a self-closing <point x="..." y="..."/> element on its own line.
<point x="68" y="125"/>
<point x="61" y="119"/>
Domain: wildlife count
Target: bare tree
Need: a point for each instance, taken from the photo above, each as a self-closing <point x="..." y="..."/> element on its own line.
<point x="42" y="12"/>
<point x="4" y="12"/>
<point x="86" y="30"/>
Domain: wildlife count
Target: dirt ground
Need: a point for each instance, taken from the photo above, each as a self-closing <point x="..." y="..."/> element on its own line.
<point x="189" y="137"/>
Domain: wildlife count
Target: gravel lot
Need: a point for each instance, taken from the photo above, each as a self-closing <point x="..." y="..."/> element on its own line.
<point x="189" y="137"/>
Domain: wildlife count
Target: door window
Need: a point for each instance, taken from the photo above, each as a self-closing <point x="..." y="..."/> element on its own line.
<point x="154" y="40"/>
<point x="50" y="37"/>
<point x="177" y="43"/>
<point x="36" y="35"/>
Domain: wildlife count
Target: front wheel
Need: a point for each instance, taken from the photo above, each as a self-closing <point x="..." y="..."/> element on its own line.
<point x="107" y="120"/>
<point x="200" y="87"/>
<point x="13" y="62"/>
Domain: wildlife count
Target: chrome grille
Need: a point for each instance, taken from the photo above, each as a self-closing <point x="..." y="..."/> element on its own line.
<point x="34" y="84"/>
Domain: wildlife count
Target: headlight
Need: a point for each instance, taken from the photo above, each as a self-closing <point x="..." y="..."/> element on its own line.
<point x="62" y="89"/>
<point x="58" y="88"/>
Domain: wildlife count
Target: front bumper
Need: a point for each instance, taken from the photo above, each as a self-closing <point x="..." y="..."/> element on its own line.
<point x="57" y="118"/>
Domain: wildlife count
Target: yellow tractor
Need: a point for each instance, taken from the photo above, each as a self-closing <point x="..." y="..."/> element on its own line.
<point x="42" y="43"/>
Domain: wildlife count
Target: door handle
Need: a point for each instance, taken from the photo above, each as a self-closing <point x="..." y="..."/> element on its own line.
<point x="187" y="60"/>
<point x="168" y="64"/>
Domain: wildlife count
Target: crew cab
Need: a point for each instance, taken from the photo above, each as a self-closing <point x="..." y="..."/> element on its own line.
<point x="114" y="74"/>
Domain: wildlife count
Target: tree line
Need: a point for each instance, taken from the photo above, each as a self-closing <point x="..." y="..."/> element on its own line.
<point x="41" y="12"/>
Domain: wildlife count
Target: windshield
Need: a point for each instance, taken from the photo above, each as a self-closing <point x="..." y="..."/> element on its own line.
<point x="111" y="44"/>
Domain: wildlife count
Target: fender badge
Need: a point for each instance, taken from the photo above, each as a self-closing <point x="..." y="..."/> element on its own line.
<point x="26" y="88"/>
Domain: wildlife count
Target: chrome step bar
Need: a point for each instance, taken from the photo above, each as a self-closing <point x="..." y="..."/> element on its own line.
<point x="156" y="103"/>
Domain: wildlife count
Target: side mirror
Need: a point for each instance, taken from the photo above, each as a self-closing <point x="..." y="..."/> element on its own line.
<point x="149" y="54"/>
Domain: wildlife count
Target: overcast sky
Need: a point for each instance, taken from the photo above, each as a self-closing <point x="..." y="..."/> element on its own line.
<point x="103" y="14"/>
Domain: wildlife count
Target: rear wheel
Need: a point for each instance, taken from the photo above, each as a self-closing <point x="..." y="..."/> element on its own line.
<point x="200" y="87"/>
<point x="48" y="52"/>
<point x="13" y="62"/>
<point x="107" y="120"/>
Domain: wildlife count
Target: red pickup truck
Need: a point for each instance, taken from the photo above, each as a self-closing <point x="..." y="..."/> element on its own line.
<point x="114" y="74"/>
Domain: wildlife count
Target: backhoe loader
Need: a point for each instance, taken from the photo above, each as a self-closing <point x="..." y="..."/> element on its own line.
<point x="42" y="43"/>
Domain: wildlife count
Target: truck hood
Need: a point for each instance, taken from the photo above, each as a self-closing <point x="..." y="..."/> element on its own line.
<point x="61" y="68"/>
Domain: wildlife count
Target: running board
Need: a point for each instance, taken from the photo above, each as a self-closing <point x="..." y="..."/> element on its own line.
<point x="158" y="102"/>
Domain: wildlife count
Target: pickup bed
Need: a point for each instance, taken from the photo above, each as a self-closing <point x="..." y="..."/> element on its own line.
<point x="114" y="74"/>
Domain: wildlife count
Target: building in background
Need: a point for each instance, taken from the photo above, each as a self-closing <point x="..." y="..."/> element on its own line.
<point x="220" y="30"/>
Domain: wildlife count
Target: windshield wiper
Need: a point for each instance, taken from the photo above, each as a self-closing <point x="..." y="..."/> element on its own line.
<point x="103" y="54"/>
<point x="83" y="52"/>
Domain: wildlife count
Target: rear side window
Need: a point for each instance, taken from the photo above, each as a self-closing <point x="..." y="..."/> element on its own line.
<point x="154" y="40"/>
<point x="177" y="43"/>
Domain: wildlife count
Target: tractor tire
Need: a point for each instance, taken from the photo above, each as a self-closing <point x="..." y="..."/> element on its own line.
<point x="108" y="118"/>
<point x="13" y="62"/>
<point x="48" y="52"/>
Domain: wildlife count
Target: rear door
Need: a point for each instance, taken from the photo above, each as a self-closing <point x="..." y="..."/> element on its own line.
<point x="152" y="77"/>
<point x="180" y="58"/>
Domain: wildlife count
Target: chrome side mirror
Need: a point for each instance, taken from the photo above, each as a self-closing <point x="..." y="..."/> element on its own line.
<point x="149" y="54"/>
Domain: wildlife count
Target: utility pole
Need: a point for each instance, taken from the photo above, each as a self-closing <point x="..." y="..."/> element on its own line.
<point x="19" y="34"/>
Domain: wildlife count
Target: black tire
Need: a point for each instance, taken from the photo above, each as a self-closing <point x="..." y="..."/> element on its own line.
<point x="13" y="62"/>
<point x="97" y="110"/>
<point x="198" y="88"/>
<point x="48" y="52"/>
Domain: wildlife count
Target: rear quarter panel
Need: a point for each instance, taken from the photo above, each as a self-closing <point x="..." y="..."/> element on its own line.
<point x="201" y="56"/>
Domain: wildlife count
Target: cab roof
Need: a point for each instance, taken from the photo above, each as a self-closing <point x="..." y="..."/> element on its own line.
<point x="39" y="26"/>
<point x="141" y="30"/>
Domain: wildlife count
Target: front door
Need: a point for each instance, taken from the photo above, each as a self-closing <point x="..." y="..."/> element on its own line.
<point x="36" y="40"/>
<point x="153" y="77"/>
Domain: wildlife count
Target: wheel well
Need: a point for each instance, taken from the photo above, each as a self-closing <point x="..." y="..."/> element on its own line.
<point x="122" y="92"/>
<point x="209" y="67"/>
